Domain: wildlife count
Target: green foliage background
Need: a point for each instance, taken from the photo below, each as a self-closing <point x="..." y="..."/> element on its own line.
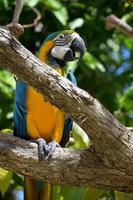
<point x="105" y="71"/>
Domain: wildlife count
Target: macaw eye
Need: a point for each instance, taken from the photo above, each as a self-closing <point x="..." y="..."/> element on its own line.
<point x="61" y="36"/>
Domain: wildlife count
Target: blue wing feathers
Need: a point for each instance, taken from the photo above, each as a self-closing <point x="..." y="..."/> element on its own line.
<point x="66" y="132"/>
<point x="68" y="122"/>
<point x="71" y="77"/>
<point x="20" y="110"/>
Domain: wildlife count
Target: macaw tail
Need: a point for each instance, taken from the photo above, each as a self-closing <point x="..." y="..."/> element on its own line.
<point x="37" y="190"/>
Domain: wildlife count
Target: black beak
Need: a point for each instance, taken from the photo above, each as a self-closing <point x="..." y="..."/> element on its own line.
<point x="77" y="45"/>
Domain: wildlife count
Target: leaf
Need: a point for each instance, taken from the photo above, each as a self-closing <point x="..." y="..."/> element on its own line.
<point x="7" y="78"/>
<point x="76" y="23"/>
<point x="81" y="139"/>
<point x="7" y="86"/>
<point x="31" y="3"/>
<point x="7" y="83"/>
<point x="5" y="2"/>
<point x="123" y="196"/>
<point x="52" y="4"/>
<point x="92" y="62"/>
<point x="128" y="42"/>
<point x="61" y="15"/>
<point x="5" y="178"/>
<point x="57" y="8"/>
<point x="7" y="130"/>
<point x="127" y="17"/>
<point x="77" y="5"/>
<point x="72" y="66"/>
<point x="93" y="194"/>
<point x="125" y="102"/>
<point x="68" y="193"/>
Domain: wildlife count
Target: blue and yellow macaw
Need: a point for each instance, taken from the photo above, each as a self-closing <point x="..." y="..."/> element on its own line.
<point x="39" y="120"/>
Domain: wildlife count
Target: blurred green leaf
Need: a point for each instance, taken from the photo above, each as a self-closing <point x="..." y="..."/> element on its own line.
<point x="7" y="130"/>
<point x="68" y="193"/>
<point x="76" y="23"/>
<point x="81" y="139"/>
<point x="61" y="15"/>
<point x="5" y="2"/>
<point x="57" y="8"/>
<point x="93" y="194"/>
<point x="126" y="100"/>
<point x="128" y="42"/>
<point x="7" y="87"/>
<point x="127" y="17"/>
<point x="123" y="196"/>
<point x="77" y="5"/>
<point x="5" y="179"/>
<point x="91" y="62"/>
<point x="31" y="3"/>
<point x="53" y="4"/>
<point x="72" y="66"/>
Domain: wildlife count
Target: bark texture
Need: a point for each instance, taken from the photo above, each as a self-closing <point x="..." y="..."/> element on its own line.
<point x="112" y="142"/>
<point x="67" y="166"/>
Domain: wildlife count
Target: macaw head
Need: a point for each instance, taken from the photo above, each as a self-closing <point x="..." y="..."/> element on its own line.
<point x="64" y="46"/>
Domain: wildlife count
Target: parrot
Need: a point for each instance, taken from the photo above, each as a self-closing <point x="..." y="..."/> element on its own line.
<point x="37" y="119"/>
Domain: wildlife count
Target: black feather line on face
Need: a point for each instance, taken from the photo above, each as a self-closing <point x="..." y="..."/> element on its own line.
<point x="61" y="42"/>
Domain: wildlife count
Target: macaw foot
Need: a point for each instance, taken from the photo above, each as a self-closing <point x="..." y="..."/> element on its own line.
<point x="46" y="150"/>
<point x="41" y="148"/>
<point x="50" y="148"/>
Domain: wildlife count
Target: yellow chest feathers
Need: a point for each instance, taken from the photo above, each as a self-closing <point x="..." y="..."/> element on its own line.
<point x="43" y="119"/>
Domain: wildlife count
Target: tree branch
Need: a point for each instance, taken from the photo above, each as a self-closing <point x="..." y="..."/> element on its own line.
<point x="35" y="21"/>
<point x="14" y="27"/>
<point x="112" y="21"/>
<point x="112" y="141"/>
<point x="17" y="11"/>
<point x="67" y="166"/>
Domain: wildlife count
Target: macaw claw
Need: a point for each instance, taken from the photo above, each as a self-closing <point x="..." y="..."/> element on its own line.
<point x="41" y="148"/>
<point x="46" y="150"/>
<point x="50" y="148"/>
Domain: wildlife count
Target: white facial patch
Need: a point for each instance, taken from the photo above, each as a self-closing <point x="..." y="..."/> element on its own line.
<point x="59" y="51"/>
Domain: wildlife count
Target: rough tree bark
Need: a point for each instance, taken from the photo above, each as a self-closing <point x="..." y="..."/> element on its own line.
<point x="67" y="166"/>
<point x="113" y="143"/>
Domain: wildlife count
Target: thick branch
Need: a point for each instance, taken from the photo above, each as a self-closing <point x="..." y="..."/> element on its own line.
<point x="67" y="166"/>
<point x="114" y="22"/>
<point x="112" y="141"/>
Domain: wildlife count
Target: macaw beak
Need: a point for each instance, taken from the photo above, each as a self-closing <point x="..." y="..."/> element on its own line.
<point x="77" y="45"/>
